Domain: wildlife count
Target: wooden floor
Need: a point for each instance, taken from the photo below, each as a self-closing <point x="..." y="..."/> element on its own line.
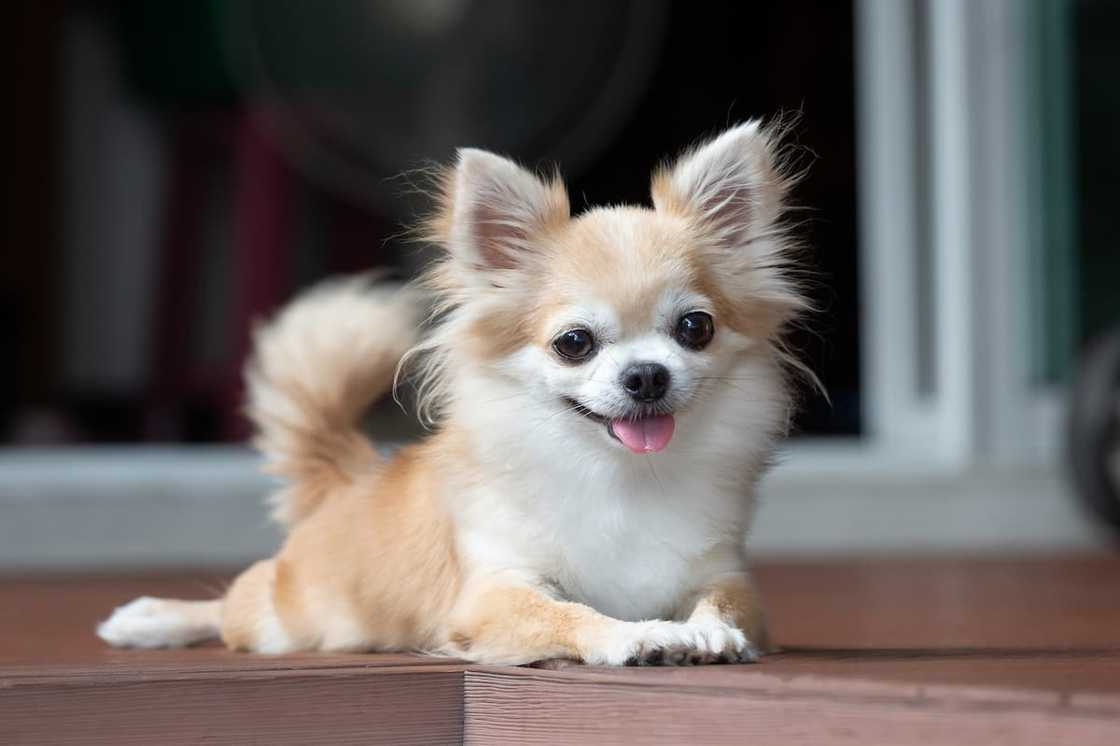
<point x="887" y="650"/>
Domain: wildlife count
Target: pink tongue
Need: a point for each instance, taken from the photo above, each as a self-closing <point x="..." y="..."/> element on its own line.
<point x="645" y="435"/>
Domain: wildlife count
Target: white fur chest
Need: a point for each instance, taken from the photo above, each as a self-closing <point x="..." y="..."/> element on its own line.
<point x="631" y="543"/>
<point x="636" y="553"/>
<point x="630" y="535"/>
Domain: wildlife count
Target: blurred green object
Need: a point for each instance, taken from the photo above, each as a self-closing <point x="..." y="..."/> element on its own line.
<point x="1073" y="115"/>
<point x="1051" y="160"/>
<point x="175" y="52"/>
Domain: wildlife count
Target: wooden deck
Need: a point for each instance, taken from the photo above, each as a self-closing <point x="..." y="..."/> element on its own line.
<point x="954" y="651"/>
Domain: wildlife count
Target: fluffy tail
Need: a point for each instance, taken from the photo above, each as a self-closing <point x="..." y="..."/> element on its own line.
<point x="161" y="623"/>
<point x="316" y="367"/>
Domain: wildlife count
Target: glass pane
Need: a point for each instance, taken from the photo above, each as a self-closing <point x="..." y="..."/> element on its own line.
<point x="1073" y="66"/>
<point x="1097" y="92"/>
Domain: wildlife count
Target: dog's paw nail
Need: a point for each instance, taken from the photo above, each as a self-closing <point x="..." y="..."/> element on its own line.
<point x="749" y="654"/>
<point x="676" y="657"/>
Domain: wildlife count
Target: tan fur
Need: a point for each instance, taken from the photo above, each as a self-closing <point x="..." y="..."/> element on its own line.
<point x="373" y="560"/>
<point x="376" y="567"/>
<point x="247" y="603"/>
<point x="586" y="254"/>
<point x="315" y="369"/>
<point x="754" y="302"/>
<point x="758" y="319"/>
<point x="736" y="601"/>
<point x="450" y="197"/>
<point x="496" y="335"/>
<point x="516" y="625"/>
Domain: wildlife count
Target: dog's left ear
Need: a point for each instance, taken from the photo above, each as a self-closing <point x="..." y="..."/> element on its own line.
<point x="730" y="185"/>
<point x="733" y="189"/>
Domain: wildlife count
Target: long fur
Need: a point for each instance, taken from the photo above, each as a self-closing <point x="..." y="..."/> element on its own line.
<point x="775" y="274"/>
<point x="316" y="368"/>
<point x="525" y="526"/>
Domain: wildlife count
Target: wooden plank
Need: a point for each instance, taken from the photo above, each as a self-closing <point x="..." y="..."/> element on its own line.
<point x="1058" y="675"/>
<point x="382" y="706"/>
<point x="946" y="602"/>
<point x="936" y="650"/>
<point x="115" y="663"/>
<point x="503" y="706"/>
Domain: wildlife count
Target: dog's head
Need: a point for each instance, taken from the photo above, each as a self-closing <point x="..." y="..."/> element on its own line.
<point x="618" y="323"/>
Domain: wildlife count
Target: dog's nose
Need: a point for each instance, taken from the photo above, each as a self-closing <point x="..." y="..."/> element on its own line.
<point x="646" y="382"/>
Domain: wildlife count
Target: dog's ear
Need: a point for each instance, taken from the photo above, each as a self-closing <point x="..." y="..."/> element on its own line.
<point x="732" y="189"/>
<point x="730" y="185"/>
<point x="491" y="210"/>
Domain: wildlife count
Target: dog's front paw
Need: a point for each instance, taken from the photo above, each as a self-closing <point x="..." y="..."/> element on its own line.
<point x="723" y="643"/>
<point x="658" y="643"/>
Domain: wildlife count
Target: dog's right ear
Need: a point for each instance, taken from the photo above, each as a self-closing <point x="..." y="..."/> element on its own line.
<point x="491" y="209"/>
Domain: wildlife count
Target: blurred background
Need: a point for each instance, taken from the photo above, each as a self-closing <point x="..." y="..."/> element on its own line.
<point x="177" y="169"/>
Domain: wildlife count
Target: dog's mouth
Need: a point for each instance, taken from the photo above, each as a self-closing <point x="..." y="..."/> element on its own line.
<point x="640" y="432"/>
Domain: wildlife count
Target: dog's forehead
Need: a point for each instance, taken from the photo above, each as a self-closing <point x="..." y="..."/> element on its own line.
<point x="629" y="259"/>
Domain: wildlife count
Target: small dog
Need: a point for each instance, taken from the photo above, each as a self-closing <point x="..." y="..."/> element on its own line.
<point x="607" y="390"/>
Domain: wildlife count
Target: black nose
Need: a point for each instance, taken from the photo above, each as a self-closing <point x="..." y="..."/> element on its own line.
<point x="646" y="382"/>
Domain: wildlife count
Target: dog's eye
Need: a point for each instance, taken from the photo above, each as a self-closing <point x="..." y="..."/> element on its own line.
<point x="695" y="330"/>
<point x="574" y="344"/>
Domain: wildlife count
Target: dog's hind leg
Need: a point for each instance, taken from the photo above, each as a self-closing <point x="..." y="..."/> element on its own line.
<point x="250" y="618"/>
<point x="246" y="619"/>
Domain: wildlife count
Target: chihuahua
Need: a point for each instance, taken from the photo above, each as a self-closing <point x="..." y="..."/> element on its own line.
<point x="606" y="390"/>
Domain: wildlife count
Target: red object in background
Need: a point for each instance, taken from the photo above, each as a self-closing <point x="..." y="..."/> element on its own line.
<point x="261" y="266"/>
<point x="198" y="142"/>
<point x="263" y="201"/>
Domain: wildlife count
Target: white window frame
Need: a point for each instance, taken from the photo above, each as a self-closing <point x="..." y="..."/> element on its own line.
<point x="984" y="410"/>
